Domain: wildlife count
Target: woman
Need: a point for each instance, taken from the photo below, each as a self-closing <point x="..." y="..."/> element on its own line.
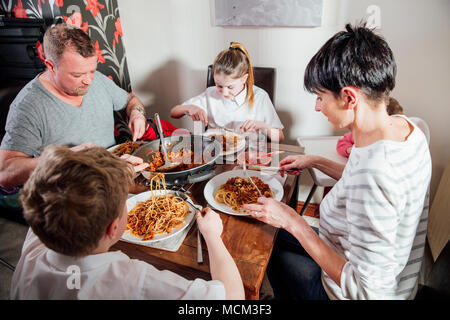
<point x="373" y="222"/>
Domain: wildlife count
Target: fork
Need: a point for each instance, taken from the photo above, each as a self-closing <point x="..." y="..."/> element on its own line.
<point x="199" y="239"/>
<point x="244" y="165"/>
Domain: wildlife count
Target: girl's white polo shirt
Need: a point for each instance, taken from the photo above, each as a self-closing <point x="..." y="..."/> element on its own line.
<point x="233" y="112"/>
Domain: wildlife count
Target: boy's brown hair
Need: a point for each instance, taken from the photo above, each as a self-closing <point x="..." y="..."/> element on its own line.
<point x="72" y="197"/>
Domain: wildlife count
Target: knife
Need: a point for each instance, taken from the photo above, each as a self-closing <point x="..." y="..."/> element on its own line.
<point x="261" y="168"/>
<point x="199" y="239"/>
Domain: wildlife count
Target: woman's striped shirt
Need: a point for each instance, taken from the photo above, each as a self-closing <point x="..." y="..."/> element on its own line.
<point x="375" y="217"/>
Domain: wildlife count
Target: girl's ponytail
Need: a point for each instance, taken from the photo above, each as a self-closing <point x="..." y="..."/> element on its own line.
<point x="236" y="61"/>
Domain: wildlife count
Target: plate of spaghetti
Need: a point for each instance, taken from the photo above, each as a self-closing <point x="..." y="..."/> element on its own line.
<point x="231" y="142"/>
<point x="127" y="147"/>
<point x="156" y="215"/>
<point x="228" y="191"/>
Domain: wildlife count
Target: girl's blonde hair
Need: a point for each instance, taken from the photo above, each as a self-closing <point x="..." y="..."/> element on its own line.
<point x="235" y="62"/>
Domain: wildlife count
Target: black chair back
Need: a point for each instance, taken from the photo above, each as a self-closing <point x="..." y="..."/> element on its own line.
<point x="264" y="78"/>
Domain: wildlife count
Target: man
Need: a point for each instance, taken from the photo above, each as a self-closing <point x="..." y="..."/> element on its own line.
<point x="68" y="104"/>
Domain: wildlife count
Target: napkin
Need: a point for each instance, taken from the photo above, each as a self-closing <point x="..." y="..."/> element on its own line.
<point x="173" y="243"/>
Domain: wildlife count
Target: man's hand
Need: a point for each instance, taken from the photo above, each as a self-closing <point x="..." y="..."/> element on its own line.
<point x="137" y="124"/>
<point x="138" y="163"/>
<point x="86" y="145"/>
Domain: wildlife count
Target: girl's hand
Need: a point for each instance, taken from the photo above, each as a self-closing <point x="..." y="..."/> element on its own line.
<point x="251" y="125"/>
<point x="197" y="114"/>
<point x="348" y="150"/>
<point x="272" y="212"/>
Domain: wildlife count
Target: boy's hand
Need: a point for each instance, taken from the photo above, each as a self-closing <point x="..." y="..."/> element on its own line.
<point x="209" y="223"/>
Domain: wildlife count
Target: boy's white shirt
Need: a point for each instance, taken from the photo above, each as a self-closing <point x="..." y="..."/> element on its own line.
<point x="233" y="112"/>
<point x="45" y="274"/>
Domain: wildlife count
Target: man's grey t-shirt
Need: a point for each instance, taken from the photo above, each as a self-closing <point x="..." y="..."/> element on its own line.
<point x="37" y="118"/>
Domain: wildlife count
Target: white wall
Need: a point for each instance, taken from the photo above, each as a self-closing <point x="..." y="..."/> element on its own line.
<point x="170" y="43"/>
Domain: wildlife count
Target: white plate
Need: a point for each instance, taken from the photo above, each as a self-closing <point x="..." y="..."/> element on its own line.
<point x="131" y="202"/>
<point x="214" y="184"/>
<point x="240" y="144"/>
<point x="111" y="149"/>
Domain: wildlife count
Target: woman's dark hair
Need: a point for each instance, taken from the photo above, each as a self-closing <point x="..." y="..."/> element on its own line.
<point x="356" y="57"/>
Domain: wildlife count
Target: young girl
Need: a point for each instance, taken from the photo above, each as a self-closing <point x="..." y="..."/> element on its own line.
<point x="235" y="102"/>
<point x="345" y="144"/>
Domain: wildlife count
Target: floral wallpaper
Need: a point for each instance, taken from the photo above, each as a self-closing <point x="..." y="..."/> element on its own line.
<point x="100" y="19"/>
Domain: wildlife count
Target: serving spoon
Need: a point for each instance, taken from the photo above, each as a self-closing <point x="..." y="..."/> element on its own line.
<point x="168" y="165"/>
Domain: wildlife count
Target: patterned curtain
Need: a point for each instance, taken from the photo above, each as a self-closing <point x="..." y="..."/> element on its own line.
<point x="99" y="18"/>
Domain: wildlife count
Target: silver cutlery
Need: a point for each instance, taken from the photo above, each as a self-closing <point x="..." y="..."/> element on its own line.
<point x="199" y="239"/>
<point x="275" y="169"/>
<point x="244" y="165"/>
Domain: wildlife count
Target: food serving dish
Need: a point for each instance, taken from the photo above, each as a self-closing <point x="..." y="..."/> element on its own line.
<point x="206" y="152"/>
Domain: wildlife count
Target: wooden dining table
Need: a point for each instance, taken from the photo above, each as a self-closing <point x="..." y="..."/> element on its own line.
<point x="249" y="241"/>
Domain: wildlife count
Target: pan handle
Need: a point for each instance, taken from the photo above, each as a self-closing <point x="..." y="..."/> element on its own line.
<point x="202" y="176"/>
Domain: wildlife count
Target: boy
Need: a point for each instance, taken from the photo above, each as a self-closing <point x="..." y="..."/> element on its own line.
<point x="75" y="204"/>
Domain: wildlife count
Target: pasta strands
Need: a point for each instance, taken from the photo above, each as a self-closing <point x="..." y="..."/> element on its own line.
<point x="238" y="191"/>
<point x="158" y="215"/>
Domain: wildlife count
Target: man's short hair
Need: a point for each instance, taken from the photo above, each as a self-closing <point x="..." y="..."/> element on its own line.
<point x="355" y="57"/>
<point x="72" y="197"/>
<point x="61" y="36"/>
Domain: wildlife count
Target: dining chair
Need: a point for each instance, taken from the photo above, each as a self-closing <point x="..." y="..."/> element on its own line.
<point x="264" y="78"/>
<point x="324" y="147"/>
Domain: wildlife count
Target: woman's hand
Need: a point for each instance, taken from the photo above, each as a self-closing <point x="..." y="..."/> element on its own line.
<point x="197" y="114"/>
<point x="297" y="162"/>
<point x="272" y="212"/>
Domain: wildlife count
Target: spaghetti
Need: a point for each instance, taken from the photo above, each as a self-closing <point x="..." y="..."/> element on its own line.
<point x="229" y="141"/>
<point x="238" y="191"/>
<point x="159" y="214"/>
<point x="185" y="158"/>
<point x="127" y="147"/>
